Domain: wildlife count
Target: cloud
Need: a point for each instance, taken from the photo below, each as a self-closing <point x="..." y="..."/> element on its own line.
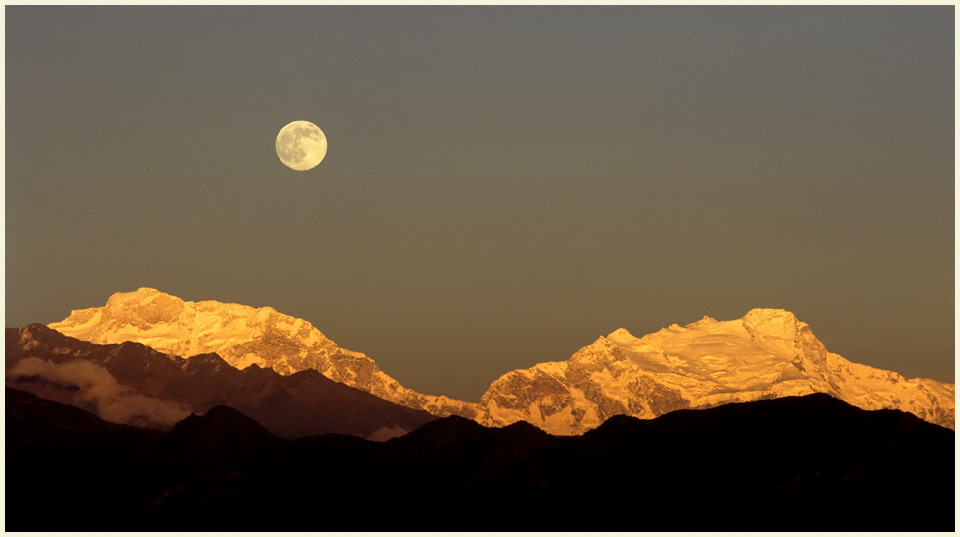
<point x="386" y="433"/>
<point x="115" y="402"/>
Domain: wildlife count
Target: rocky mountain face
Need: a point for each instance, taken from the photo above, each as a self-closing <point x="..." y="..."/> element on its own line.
<point x="130" y="383"/>
<point x="242" y="336"/>
<point x="766" y="354"/>
<point x="809" y="463"/>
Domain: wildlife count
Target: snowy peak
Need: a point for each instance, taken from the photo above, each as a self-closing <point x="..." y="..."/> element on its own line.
<point x="170" y="324"/>
<point x="768" y="353"/>
<point x="602" y="349"/>
<point x="762" y="332"/>
<point x="144" y="307"/>
<point x="705" y="321"/>
<point x="774" y="323"/>
<point x="620" y="334"/>
<point x="763" y="321"/>
<point x="775" y="316"/>
<point x="243" y="336"/>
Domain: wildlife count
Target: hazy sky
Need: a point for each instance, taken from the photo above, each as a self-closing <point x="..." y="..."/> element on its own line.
<point x="503" y="184"/>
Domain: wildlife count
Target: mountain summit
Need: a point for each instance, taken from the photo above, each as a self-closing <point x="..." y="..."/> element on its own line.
<point x="242" y="336"/>
<point x="766" y="354"/>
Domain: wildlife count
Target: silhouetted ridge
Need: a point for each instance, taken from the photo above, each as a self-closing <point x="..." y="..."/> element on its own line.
<point x="219" y="440"/>
<point x="64" y="464"/>
<point x="25" y="410"/>
<point x="220" y="430"/>
<point x="449" y="431"/>
<point x="219" y="418"/>
<point x="524" y="429"/>
<point x="209" y="362"/>
<point x="808" y="463"/>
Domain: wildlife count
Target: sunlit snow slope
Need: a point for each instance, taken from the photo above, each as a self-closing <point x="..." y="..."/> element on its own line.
<point x="241" y="335"/>
<point x="766" y="354"/>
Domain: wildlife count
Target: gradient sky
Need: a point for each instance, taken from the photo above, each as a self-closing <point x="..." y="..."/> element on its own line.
<point x="503" y="184"/>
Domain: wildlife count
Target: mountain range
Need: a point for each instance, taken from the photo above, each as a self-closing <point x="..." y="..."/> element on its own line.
<point x="810" y="463"/>
<point x="133" y="384"/>
<point x="154" y="413"/>
<point x="766" y="354"/>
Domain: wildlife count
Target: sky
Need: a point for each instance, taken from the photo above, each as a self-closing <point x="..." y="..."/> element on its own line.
<point x="502" y="184"/>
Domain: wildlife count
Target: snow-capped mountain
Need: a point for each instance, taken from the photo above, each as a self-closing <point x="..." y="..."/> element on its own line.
<point x="766" y="354"/>
<point x="133" y="384"/>
<point x="242" y="336"/>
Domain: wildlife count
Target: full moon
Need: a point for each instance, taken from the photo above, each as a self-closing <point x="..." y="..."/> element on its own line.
<point x="301" y="145"/>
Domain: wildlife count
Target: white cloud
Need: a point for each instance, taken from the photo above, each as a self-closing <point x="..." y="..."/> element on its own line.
<point x="115" y="402"/>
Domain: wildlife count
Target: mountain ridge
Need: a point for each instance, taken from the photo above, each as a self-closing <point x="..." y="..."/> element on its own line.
<point x="243" y="336"/>
<point x="135" y="384"/>
<point x="796" y="463"/>
<point x="767" y="353"/>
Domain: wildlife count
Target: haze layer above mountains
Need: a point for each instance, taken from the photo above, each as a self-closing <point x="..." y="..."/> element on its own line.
<point x="766" y="354"/>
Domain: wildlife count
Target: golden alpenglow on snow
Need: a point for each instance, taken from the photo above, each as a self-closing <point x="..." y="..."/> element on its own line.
<point x="241" y="335"/>
<point x="459" y="237"/>
<point x="768" y="353"/>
